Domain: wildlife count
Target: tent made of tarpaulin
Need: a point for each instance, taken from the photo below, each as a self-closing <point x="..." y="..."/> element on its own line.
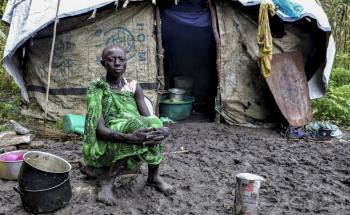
<point x="80" y="40"/>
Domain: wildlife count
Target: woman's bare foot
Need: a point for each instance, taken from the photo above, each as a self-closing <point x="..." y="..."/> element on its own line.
<point x="161" y="185"/>
<point x="105" y="193"/>
<point x="92" y="172"/>
<point x="157" y="182"/>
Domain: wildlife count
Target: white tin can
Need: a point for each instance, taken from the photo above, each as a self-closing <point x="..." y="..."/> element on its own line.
<point x="247" y="194"/>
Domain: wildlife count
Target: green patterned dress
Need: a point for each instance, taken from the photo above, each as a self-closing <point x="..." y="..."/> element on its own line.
<point x="120" y="113"/>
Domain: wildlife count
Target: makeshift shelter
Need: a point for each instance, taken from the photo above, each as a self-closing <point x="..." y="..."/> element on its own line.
<point x="240" y="92"/>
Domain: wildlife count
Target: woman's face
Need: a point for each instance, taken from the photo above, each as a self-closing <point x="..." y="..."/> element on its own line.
<point x="114" y="61"/>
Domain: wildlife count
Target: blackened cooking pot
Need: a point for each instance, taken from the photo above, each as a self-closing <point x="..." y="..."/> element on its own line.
<point x="44" y="183"/>
<point x="46" y="200"/>
<point x="41" y="170"/>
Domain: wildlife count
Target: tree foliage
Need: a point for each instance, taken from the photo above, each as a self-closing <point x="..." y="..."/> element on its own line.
<point x="335" y="106"/>
<point x="338" y="12"/>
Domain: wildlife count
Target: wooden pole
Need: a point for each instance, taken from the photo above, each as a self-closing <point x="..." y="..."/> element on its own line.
<point x="51" y="57"/>
<point x="218" y="56"/>
<point x="160" y="56"/>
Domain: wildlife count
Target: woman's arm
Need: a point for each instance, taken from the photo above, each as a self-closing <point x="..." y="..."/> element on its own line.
<point x="146" y="136"/>
<point x="140" y="101"/>
<point x="107" y="134"/>
<point x="161" y="133"/>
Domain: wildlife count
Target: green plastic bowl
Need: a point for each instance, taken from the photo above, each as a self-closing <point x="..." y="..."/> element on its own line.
<point x="176" y="109"/>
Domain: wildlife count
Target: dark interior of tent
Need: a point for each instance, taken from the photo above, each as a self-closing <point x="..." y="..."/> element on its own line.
<point x="190" y="51"/>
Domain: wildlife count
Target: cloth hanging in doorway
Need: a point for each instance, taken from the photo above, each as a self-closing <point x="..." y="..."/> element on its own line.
<point x="194" y="19"/>
<point x="265" y="39"/>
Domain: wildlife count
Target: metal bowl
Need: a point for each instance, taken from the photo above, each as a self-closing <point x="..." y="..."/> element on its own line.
<point x="176" y="93"/>
<point x="10" y="164"/>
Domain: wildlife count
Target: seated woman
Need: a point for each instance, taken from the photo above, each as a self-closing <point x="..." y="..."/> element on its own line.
<point x="119" y="131"/>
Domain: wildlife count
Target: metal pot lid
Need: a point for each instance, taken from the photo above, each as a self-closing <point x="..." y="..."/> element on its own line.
<point x="46" y="162"/>
<point x="176" y="91"/>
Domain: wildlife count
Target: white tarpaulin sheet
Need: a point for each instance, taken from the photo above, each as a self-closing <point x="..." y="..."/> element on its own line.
<point x="28" y="17"/>
<point x="311" y="9"/>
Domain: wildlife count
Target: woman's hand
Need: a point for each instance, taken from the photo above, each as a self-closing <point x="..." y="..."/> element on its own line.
<point x="165" y="131"/>
<point x="147" y="136"/>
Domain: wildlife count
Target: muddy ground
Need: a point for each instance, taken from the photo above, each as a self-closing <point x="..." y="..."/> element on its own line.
<point x="301" y="177"/>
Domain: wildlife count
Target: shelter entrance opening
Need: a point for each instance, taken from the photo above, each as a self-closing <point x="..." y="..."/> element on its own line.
<point x="190" y="52"/>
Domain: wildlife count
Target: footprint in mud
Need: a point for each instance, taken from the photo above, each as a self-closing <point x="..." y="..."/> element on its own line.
<point x="346" y="182"/>
<point x="297" y="202"/>
<point x="135" y="211"/>
<point x="124" y="187"/>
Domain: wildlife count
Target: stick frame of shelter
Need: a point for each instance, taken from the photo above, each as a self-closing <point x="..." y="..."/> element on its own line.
<point x="160" y="55"/>
<point x="218" y="54"/>
<point x="51" y="57"/>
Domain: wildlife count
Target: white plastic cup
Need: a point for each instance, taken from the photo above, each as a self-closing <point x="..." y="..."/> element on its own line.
<point x="247" y="194"/>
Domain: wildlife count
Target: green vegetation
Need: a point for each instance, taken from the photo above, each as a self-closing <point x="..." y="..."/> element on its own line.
<point x="335" y="106"/>
<point x="10" y="97"/>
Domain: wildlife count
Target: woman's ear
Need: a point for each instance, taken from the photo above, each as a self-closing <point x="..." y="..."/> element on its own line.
<point x="102" y="62"/>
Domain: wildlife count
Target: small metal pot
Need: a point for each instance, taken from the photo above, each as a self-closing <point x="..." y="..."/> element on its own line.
<point x="176" y="93"/>
<point x="9" y="169"/>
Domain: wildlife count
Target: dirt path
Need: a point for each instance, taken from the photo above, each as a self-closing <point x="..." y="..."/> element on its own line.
<point x="302" y="177"/>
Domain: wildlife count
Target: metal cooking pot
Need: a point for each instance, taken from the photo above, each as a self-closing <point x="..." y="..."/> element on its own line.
<point x="44" y="183"/>
<point x="176" y="93"/>
<point x="9" y="168"/>
<point x="41" y="170"/>
<point x="185" y="83"/>
<point x="46" y="200"/>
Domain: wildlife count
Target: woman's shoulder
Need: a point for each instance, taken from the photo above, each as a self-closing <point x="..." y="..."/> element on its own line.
<point x="130" y="85"/>
<point x="99" y="83"/>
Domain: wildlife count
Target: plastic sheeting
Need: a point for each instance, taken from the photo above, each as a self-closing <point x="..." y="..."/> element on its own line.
<point x="244" y="94"/>
<point x="26" y="18"/>
<point x="77" y="56"/>
<point x="311" y="9"/>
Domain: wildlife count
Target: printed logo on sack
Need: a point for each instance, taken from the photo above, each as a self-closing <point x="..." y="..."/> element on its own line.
<point x="122" y="37"/>
<point x="63" y="54"/>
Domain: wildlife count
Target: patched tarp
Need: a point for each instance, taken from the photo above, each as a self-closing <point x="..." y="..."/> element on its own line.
<point x="310" y="8"/>
<point x="243" y="91"/>
<point x="242" y="88"/>
<point x="245" y="97"/>
<point x="28" y="17"/>
<point x="77" y="56"/>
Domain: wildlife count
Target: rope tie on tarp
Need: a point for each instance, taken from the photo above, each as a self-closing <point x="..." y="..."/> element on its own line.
<point x="93" y="15"/>
<point x="264" y="38"/>
<point x="126" y="2"/>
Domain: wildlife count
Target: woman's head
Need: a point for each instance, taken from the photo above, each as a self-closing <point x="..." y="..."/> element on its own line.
<point x="114" y="60"/>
